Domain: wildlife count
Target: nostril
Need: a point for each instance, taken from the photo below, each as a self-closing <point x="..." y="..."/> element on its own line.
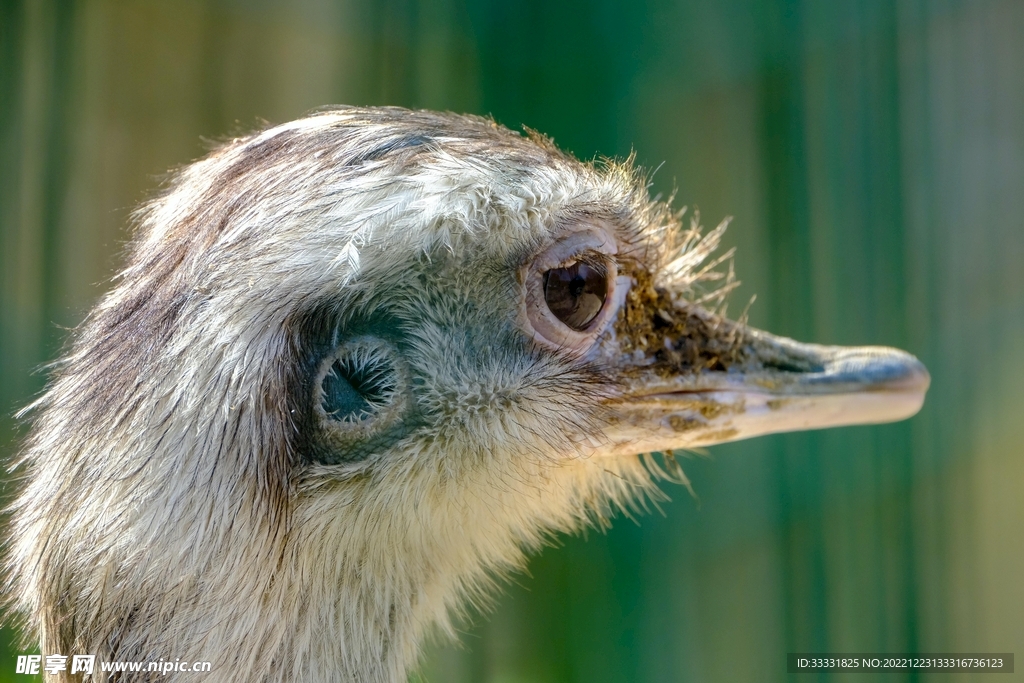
<point x="792" y="365"/>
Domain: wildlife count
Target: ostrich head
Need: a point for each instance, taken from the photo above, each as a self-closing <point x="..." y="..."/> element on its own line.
<point x="358" y="365"/>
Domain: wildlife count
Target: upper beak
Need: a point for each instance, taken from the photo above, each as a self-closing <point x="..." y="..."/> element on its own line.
<point x="700" y="380"/>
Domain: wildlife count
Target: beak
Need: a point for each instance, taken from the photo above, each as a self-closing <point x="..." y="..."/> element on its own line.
<point x="690" y="379"/>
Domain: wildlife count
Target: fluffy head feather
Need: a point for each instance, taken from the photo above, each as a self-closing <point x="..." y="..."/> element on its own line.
<point x="317" y="411"/>
<point x="174" y="507"/>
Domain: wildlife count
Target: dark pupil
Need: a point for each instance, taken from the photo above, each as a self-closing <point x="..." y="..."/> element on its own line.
<point x="576" y="293"/>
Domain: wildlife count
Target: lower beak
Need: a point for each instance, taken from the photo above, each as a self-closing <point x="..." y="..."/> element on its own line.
<point x="773" y="384"/>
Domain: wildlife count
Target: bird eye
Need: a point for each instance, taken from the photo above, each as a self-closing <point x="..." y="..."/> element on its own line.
<point x="570" y="290"/>
<point x="576" y="293"/>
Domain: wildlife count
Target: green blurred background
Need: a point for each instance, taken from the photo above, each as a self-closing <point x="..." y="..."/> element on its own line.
<point x="872" y="152"/>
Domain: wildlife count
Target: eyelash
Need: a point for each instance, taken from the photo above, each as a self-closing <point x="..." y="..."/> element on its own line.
<point x="594" y="259"/>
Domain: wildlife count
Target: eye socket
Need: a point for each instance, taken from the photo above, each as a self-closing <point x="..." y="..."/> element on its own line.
<point x="575" y="293"/>
<point x="572" y="290"/>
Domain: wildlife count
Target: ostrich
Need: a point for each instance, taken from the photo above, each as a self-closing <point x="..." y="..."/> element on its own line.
<point x="357" y="367"/>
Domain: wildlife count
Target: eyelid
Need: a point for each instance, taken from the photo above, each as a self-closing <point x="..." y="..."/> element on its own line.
<point x="571" y="247"/>
<point x="589" y="257"/>
<point x="594" y="259"/>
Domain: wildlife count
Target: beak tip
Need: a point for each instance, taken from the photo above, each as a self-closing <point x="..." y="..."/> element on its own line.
<point x="890" y="372"/>
<point x="915" y="382"/>
<point x="880" y="368"/>
<point x="918" y="376"/>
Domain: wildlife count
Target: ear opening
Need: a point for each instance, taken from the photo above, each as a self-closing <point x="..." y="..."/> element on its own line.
<point x="360" y="399"/>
